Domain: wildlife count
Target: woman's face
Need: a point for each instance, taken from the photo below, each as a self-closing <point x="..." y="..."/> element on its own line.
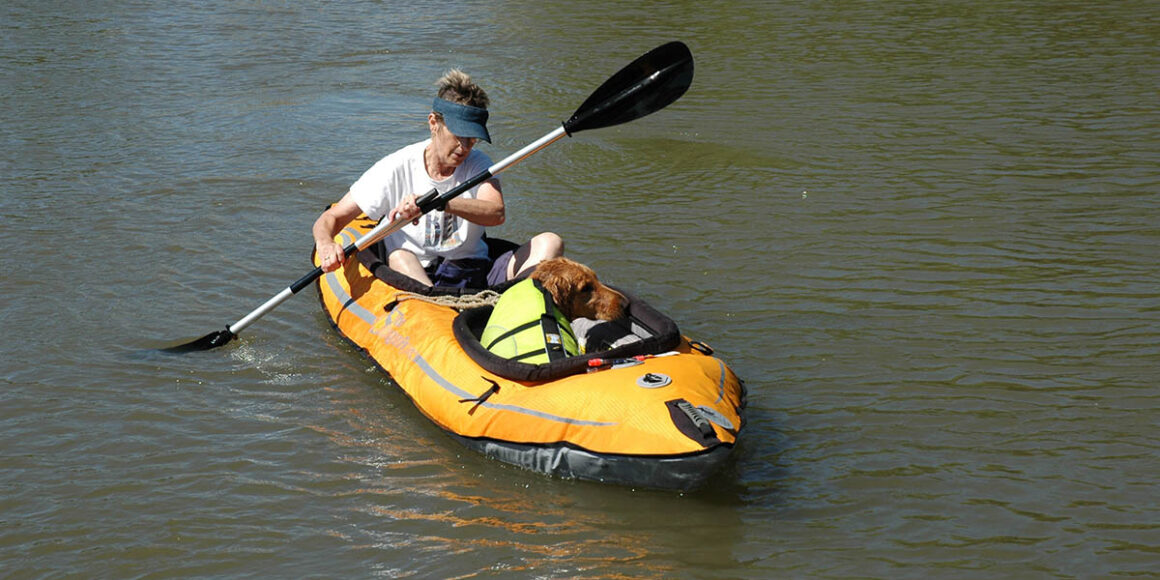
<point x="449" y="150"/>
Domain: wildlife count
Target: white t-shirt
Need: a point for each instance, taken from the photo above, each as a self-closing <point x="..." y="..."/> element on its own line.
<point x="403" y="172"/>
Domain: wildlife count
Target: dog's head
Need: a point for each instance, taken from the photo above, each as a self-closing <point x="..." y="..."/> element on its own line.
<point x="576" y="290"/>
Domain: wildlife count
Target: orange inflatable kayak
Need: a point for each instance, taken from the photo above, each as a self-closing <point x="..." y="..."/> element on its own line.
<point x="658" y="412"/>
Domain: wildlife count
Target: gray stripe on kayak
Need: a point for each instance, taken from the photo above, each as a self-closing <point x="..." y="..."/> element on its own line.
<point x="349" y="304"/>
<point x="459" y="392"/>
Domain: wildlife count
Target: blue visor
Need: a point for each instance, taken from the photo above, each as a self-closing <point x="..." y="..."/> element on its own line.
<point x="463" y="120"/>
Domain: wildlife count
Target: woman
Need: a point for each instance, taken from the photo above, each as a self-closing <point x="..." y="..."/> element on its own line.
<point x="444" y="248"/>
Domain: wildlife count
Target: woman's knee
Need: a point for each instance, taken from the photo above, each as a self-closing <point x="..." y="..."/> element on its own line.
<point x="401" y="260"/>
<point x="542" y="247"/>
<point x="547" y="245"/>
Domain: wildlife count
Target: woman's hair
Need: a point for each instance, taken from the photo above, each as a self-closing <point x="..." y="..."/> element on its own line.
<point x="457" y="87"/>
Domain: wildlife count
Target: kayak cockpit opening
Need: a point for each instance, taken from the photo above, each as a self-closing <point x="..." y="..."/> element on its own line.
<point x="643" y="331"/>
<point x="375" y="261"/>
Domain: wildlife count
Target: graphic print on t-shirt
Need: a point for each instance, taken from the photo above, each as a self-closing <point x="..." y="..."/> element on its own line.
<point x="442" y="231"/>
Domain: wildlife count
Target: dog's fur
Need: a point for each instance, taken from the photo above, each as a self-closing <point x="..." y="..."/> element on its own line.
<point x="577" y="292"/>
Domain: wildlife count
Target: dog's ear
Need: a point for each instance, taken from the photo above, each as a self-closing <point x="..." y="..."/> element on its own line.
<point x="550" y="275"/>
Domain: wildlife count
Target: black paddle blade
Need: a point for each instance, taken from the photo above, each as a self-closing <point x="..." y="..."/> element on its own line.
<point x="207" y="342"/>
<point x="647" y="85"/>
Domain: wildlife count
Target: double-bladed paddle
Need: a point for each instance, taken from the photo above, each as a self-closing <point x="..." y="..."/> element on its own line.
<point x="646" y="85"/>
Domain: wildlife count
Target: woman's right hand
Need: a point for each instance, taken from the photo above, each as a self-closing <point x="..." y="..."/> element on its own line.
<point x="330" y="256"/>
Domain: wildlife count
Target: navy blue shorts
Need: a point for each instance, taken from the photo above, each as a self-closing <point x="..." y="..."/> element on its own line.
<point x="476" y="272"/>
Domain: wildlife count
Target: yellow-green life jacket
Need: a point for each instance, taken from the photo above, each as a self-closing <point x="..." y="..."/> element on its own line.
<point x="526" y="326"/>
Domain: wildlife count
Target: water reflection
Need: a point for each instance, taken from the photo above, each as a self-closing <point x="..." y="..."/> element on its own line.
<point x="415" y="489"/>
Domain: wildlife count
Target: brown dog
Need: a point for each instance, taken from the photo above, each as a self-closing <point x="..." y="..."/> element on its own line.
<point x="577" y="292"/>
